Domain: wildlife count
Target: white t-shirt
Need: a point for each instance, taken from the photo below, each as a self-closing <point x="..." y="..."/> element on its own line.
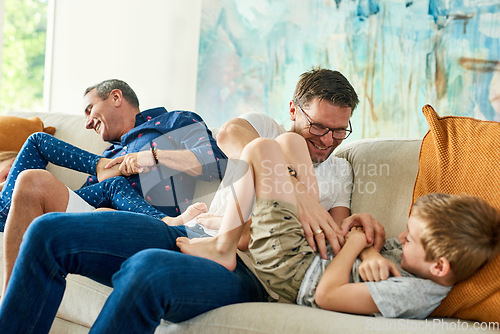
<point x="334" y="175"/>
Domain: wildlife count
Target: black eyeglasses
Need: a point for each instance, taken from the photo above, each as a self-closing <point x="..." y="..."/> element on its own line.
<point x="320" y="130"/>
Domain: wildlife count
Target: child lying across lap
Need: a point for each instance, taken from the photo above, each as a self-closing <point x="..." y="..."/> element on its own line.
<point x="448" y="237"/>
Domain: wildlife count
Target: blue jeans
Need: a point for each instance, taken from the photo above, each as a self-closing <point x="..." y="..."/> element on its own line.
<point x="41" y="148"/>
<point x="134" y="253"/>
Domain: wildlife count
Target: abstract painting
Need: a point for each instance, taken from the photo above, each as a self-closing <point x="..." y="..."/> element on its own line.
<point x="399" y="55"/>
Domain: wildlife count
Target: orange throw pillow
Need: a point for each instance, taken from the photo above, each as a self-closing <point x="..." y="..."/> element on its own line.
<point x="461" y="155"/>
<point x="15" y="130"/>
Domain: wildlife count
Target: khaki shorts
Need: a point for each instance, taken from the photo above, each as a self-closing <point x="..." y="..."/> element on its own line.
<point x="278" y="248"/>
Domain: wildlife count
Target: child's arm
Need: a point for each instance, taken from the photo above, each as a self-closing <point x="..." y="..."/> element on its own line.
<point x="334" y="292"/>
<point x="374" y="267"/>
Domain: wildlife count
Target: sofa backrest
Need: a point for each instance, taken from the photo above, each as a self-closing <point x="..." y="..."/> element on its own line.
<point x="384" y="175"/>
<point x="384" y="169"/>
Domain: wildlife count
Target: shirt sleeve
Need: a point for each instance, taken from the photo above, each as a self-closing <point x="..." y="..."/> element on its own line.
<point x="192" y="134"/>
<point x="334" y="177"/>
<point x="345" y="183"/>
<point x="407" y="297"/>
<point x="265" y="126"/>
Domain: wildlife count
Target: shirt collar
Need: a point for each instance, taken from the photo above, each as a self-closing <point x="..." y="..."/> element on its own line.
<point x="142" y="118"/>
<point x="146" y="115"/>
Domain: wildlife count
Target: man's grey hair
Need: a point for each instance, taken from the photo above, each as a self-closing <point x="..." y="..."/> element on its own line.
<point x="104" y="88"/>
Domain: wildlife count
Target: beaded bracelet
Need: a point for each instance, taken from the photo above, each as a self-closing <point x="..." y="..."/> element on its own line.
<point x="155" y="154"/>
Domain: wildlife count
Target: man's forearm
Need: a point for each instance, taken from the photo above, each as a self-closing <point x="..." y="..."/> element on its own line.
<point x="181" y="160"/>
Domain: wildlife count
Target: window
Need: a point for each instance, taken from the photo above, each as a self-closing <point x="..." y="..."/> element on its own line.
<point x="23" y="55"/>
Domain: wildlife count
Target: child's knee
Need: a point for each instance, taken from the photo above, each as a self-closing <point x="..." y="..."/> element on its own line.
<point x="38" y="137"/>
<point x="34" y="180"/>
<point x="117" y="182"/>
<point x="291" y="140"/>
<point x="261" y="147"/>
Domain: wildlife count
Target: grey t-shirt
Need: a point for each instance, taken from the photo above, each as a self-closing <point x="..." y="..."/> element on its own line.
<point x="397" y="297"/>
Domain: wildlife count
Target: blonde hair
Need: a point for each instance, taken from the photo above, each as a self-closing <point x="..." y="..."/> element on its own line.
<point x="6" y="155"/>
<point x="463" y="229"/>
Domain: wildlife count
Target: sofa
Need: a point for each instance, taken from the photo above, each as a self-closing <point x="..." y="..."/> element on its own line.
<point x="384" y="176"/>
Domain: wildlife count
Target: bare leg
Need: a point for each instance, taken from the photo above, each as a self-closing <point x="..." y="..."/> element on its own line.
<point x="36" y="192"/>
<point x="297" y="157"/>
<point x="267" y="177"/>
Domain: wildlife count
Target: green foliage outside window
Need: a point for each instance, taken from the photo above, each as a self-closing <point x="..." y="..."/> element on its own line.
<point x="23" y="59"/>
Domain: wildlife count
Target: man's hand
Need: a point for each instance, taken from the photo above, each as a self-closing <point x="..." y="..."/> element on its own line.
<point x="374" y="231"/>
<point x="374" y="267"/>
<point x="133" y="163"/>
<point x="318" y="225"/>
<point x="357" y="236"/>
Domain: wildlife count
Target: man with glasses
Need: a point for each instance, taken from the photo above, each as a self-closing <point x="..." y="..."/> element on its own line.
<point x="322" y="105"/>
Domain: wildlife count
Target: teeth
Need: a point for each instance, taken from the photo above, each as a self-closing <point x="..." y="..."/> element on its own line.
<point x="320" y="147"/>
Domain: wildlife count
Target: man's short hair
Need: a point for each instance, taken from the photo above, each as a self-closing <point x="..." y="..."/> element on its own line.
<point x="327" y="85"/>
<point x="104" y="88"/>
<point x="463" y="229"/>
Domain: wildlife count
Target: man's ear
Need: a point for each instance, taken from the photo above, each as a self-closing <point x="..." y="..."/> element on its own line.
<point x="441" y="267"/>
<point x="293" y="111"/>
<point x="116" y="96"/>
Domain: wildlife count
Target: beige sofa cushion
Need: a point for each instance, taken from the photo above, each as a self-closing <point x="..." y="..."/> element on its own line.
<point x="384" y="175"/>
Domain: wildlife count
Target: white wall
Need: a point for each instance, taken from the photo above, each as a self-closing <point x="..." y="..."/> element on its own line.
<point x="150" y="44"/>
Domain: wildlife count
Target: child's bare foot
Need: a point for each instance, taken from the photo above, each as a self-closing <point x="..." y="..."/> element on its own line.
<point x="194" y="210"/>
<point x="191" y="212"/>
<point x="209" y="221"/>
<point x="106" y="173"/>
<point x="208" y="248"/>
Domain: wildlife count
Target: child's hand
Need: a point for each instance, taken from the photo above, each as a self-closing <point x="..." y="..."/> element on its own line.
<point x="357" y="235"/>
<point x="377" y="268"/>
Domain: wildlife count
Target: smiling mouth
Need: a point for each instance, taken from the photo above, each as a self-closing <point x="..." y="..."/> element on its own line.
<point x="321" y="148"/>
<point x="97" y="127"/>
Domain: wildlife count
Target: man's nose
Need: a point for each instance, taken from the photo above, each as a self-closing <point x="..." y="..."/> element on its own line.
<point x="89" y="123"/>
<point x="327" y="139"/>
